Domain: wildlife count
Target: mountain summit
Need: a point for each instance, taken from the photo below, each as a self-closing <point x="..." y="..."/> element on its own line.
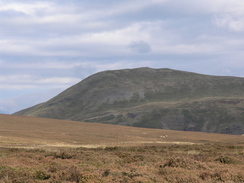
<point x="152" y="98"/>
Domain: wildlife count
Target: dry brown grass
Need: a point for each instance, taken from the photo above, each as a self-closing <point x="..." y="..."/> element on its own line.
<point x="37" y="132"/>
<point x="53" y="151"/>
<point x="159" y="163"/>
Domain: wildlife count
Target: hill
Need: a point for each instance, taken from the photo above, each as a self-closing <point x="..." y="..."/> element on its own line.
<point x="152" y="98"/>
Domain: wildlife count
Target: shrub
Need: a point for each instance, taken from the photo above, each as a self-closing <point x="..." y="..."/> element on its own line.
<point x="106" y="173"/>
<point x="205" y="175"/>
<point x="62" y="155"/>
<point x="40" y="175"/>
<point x="111" y="148"/>
<point x="176" y="162"/>
<point x="227" y="160"/>
<point x="74" y="174"/>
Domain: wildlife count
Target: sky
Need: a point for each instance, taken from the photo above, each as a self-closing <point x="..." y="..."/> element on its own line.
<point x="47" y="46"/>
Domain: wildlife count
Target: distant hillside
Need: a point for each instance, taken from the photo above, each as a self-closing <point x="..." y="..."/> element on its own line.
<point x="152" y="98"/>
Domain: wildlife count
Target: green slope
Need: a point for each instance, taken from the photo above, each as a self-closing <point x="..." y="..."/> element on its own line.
<point x="152" y="98"/>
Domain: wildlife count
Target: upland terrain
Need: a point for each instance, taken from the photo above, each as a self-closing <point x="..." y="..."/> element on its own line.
<point x="34" y="150"/>
<point x="152" y="98"/>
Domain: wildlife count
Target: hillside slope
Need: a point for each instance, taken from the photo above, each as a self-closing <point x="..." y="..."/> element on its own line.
<point x="152" y="98"/>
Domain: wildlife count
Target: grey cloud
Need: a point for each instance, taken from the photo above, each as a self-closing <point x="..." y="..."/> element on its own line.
<point x="84" y="71"/>
<point x="140" y="47"/>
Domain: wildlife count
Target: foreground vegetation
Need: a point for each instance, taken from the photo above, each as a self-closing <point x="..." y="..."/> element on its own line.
<point x="155" y="163"/>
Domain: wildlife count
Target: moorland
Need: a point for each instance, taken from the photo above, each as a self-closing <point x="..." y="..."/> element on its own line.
<point x="49" y="150"/>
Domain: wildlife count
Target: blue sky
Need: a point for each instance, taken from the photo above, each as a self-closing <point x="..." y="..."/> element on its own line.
<point x="47" y="46"/>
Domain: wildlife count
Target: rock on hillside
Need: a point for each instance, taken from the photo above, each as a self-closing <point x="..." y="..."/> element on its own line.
<point x="152" y="98"/>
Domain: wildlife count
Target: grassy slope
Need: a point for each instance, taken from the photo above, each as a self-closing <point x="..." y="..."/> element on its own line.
<point x="154" y="98"/>
<point x="19" y="131"/>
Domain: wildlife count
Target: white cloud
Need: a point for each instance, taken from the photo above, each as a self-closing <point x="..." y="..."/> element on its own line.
<point x="9" y="46"/>
<point x="40" y="65"/>
<point x="226" y="6"/>
<point x="188" y="49"/>
<point x="26" y="8"/>
<point x="16" y="78"/>
<point x="73" y="45"/>
<point x="123" y="7"/>
<point x="117" y="37"/>
<point x="10" y="86"/>
<point x="29" y="81"/>
<point x="58" y="80"/>
<point x="15" y="104"/>
<point x="208" y="6"/>
<point x="121" y="65"/>
<point x="7" y="105"/>
<point x="235" y="24"/>
<point x="91" y="68"/>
